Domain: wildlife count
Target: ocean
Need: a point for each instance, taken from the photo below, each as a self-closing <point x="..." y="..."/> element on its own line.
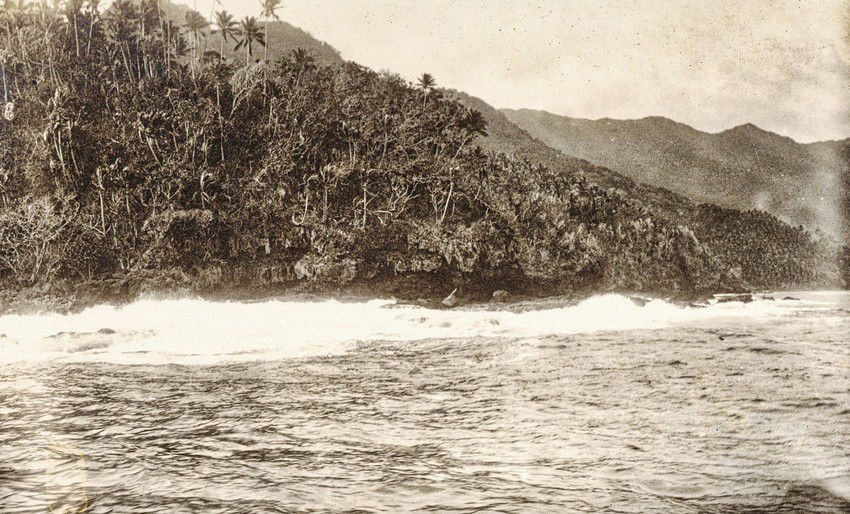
<point x="611" y="405"/>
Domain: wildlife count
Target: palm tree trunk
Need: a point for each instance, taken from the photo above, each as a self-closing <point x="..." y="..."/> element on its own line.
<point x="210" y="21"/>
<point x="5" y="86"/>
<point x="76" y="36"/>
<point x="220" y="121"/>
<point x="168" y="29"/>
<point x="266" y="60"/>
<point x="194" y="48"/>
<point x="91" y="32"/>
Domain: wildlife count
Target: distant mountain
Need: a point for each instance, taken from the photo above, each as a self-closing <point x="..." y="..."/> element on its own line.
<point x="504" y="136"/>
<point x="742" y="168"/>
<point x="282" y="39"/>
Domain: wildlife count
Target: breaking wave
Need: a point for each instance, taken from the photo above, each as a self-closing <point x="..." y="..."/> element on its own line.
<point x="195" y="331"/>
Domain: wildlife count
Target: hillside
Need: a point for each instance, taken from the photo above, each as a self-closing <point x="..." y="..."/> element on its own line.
<point x="758" y="248"/>
<point x="210" y="174"/>
<point x="282" y="38"/>
<point x="504" y="136"/>
<point x="741" y="168"/>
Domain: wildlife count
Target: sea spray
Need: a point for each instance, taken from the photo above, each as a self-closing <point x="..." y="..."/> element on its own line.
<point x="734" y="406"/>
<point x="195" y="331"/>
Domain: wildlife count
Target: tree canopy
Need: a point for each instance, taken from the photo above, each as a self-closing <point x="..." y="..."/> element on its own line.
<point x="128" y="151"/>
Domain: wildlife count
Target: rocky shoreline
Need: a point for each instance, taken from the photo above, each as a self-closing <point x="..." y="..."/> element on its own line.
<point x="66" y="296"/>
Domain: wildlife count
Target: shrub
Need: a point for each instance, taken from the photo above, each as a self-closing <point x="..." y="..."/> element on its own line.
<point x="32" y="240"/>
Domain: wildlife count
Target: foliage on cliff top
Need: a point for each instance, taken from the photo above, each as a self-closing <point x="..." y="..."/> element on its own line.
<point x="131" y="150"/>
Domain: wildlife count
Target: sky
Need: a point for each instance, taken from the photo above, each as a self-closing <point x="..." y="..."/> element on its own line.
<point x="783" y="65"/>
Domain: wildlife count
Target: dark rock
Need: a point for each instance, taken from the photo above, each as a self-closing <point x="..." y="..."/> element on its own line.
<point x="640" y="302"/>
<point x="791" y="298"/>
<point x="743" y="298"/>
<point x="500" y="295"/>
<point x="105" y="331"/>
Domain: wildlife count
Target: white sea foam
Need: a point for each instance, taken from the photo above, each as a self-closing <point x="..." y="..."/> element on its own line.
<point x="194" y="331"/>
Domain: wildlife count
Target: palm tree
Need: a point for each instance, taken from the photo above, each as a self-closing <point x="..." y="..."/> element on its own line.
<point x="227" y="27"/>
<point x="426" y="83"/>
<point x="251" y="33"/>
<point x="5" y="53"/>
<point x="176" y="43"/>
<point x="122" y="31"/>
<point x="196" y="25"/>
<point x="72" y="11"/>
<point x="474" y="122"/>
<point x="3" y="57"/>
<point x="94" y="19"/>
<point x="15" y="14"/>
<point x="270" y="8"/>
<point x="302" y="59"/>
<point x="147" y="22"/>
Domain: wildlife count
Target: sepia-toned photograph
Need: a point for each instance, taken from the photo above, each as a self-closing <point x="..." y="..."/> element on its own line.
<point x="386" y="256"/>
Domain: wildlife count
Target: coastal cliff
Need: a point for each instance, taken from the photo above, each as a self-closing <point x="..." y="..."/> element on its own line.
<point x="133" y="163"/>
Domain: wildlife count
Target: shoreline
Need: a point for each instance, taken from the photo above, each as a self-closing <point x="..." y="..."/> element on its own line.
<point x="433" y="292"/>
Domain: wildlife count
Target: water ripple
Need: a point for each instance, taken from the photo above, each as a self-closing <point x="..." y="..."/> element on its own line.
<point x="668" y="420"/>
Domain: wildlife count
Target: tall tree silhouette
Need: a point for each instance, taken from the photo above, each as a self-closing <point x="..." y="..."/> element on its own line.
<point x="195" y="24"/>
<point x="426" y="82"/>
<point x="227" y="27"/>
<point x="269" y="11"/>
<point x="250" y="33"/>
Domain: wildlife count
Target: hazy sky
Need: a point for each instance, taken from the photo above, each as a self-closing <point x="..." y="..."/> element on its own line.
<point x="781" y="64"/>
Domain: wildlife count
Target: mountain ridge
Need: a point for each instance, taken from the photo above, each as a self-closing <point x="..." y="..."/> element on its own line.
<point x="670" y="121"/>
<point x="744" y="167"/>
<point x="507" y="137"/>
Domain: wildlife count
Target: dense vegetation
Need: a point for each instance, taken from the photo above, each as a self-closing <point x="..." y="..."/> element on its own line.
<point x="759" y="249"/>
<point x="741" y="168"/>
<point x="128" y="149"/>
<point x="768" y="253"/>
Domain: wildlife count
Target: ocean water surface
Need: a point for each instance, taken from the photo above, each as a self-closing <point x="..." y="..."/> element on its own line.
<point x="285" y="406"/>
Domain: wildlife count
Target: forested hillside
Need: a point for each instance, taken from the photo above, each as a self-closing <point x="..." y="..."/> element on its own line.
<point x="757" y="247"/>
<point x="506" y="137"/>
<point x="128" y="151"/>
<point x="220" y="32"/>
<point x="742" y="168"/>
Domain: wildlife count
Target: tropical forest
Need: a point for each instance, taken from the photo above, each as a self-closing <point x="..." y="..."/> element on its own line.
<point x="147" y="147"/>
